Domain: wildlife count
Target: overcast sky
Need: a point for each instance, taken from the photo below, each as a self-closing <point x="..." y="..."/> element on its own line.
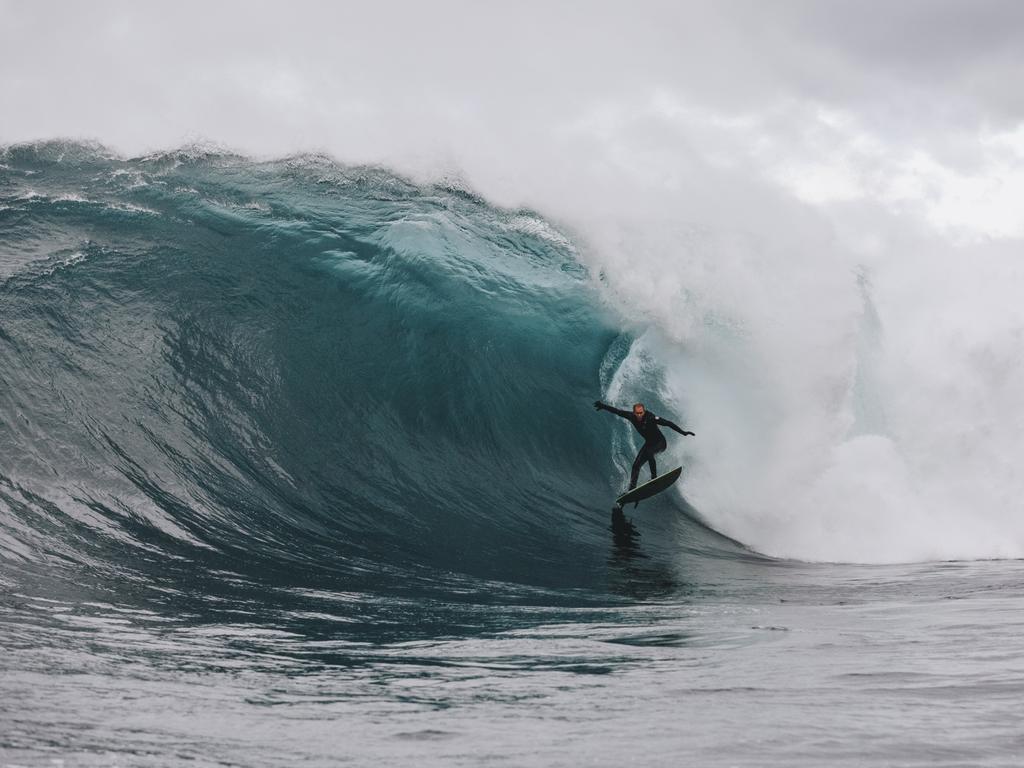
<point x="913" y="103"/>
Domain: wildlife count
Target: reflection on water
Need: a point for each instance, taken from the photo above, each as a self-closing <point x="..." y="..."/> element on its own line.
<point x="625" y="537"/>
<point x="632" y="572"/>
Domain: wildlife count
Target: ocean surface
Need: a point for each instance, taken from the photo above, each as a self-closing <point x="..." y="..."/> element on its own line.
<point x="298" y="466"/>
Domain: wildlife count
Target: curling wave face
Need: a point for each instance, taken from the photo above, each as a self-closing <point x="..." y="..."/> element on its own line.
<point x="294" y="366"/>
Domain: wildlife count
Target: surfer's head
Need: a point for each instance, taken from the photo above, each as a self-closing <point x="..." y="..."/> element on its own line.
<point x="638" y="410"/>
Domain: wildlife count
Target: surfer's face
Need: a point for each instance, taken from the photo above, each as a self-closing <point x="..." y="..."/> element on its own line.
<point x="638" y="411"/>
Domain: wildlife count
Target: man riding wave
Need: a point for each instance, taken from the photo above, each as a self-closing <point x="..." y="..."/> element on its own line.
<point x="646" y="424"/>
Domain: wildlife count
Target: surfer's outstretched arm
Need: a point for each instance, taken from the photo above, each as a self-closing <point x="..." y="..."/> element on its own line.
<point x="666" y="423"/>
<point x="599" y="406"/>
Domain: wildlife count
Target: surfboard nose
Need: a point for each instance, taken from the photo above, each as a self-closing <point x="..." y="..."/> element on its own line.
<point x="650" y="488"/>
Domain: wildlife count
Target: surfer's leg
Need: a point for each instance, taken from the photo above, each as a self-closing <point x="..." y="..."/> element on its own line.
<point x="652" y="451"/>
<point x="639" y="461"/>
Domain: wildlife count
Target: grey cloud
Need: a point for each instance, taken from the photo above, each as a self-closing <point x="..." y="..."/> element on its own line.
<point x="375" y="80"/>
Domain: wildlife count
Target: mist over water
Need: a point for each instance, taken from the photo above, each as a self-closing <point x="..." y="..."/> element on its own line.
<point x="844" y="411"/>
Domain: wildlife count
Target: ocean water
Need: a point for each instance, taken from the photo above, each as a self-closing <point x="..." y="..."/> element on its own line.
<point x="298" y="466"/>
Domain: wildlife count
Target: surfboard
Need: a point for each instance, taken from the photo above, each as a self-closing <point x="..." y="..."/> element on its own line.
<point x="648" y="489"/>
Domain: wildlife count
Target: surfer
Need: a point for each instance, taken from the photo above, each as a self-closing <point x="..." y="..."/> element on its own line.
<point x="646" y="424"/>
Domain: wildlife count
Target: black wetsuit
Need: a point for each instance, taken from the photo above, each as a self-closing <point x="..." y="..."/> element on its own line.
<point x="654" y="441"/>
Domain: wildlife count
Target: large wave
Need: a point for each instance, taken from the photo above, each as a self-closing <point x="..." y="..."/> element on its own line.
<point x="297" y="365"/>
<point x="316" y="366"/>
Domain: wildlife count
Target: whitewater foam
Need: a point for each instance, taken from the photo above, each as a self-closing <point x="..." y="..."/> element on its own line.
<point x="838" y="418"/>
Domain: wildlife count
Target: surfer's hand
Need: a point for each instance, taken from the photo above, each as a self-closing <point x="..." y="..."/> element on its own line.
<point x="691" y="434"/>
<point x="598" y="405"/>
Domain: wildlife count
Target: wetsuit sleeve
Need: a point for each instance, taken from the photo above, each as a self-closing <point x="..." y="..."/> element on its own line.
<point x="666" y="423"/>
<point x="617" y="412"/>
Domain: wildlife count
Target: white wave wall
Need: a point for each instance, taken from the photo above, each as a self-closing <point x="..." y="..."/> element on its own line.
<point x="810" y="223"/>
<point x="843" y="413"/>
